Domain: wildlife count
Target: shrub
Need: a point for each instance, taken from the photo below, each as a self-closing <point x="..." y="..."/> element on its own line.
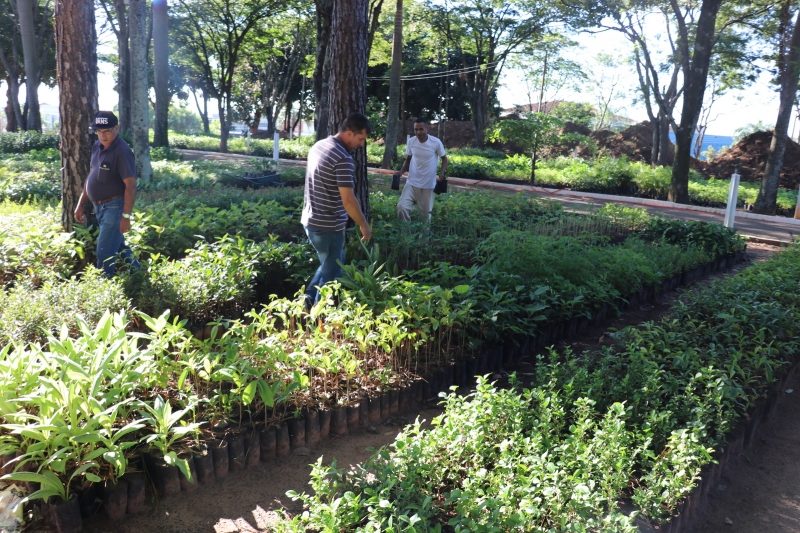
<point x="170" y="227"/>
<point x="214" y="280"/>
<point x="29" y="314"/>
<point x="15" y="143"/>
<point x="32" y="243"/>
<point x="30" y="176"/>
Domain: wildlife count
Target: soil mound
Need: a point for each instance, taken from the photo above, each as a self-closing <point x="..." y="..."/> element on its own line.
<point x="749" y="155"/>
<point x="634" y="142"/>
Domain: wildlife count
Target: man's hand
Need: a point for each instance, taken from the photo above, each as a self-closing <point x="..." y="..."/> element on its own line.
<point x="80" y="214"/>
<point x="124" y="225"/>
<point x="366" y="232"/>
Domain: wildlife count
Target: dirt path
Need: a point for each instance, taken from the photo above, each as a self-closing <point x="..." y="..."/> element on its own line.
<point x="248" y="501"/>
<point x="762" y="493"/>
<point x="764" y="497"/>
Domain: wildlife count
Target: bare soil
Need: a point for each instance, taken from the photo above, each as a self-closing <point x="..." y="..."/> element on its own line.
<point x="749" y="157"/>
<point x="762" y="496"/>
<point x="250" y="501"/>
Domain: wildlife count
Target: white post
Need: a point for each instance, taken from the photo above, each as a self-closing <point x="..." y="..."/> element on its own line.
<point x="733" y="194"/>
<point x="275" y="151"/>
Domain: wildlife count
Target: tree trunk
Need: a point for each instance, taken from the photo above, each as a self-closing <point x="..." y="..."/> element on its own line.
<point x="533" y="167"/>
<point x="202" y="111"/>
<point x="13" y="110"/>
<point x="374" y="19"/>
<point x="655" y="137"/>
<point x="161" y="70"/>
<point x="223" y="125"/>
<point x="140" y="105"/>
<point x="322" y="68"/>
<point x="30" y="52"/>
<point x="393" y="112"/>
<point x="269" y="113"/>
<point x="789" y="72"/>
<point x="666" y="152"/>
<point x="695" y="76"/>
<point x="124" y="68"/>
<point x="76" y="73"/>
<point x="256" y="122"/>
<point x="479" y="120"/>
<point x="347" y="83"/>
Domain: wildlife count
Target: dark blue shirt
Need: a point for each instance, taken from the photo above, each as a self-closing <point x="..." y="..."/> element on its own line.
<point x="108" y="168"/>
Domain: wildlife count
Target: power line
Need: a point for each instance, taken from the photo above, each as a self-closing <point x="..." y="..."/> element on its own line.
<point x="439" y="74"/>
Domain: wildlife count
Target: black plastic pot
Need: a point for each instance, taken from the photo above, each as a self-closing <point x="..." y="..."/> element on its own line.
<point x="267" y="443"/>
<point x="191" y="483"/>
<point x="470" y="371"/>
<point x="297" y="432"/>
<point x="115" y="499"/>
<point x="394" y="402"/>
<point x="203" y="466"/>
<point x="219" y="452"/>
<point x="363" y="412"/>
<point x="283" y="446"/>
<point x="446" y="378"/>
<point x="375" y="411"/>
<point x="431" y="387"/>
<point x="312" y="429"/>
<point x="252" y="448"/>
<point x="236" y="456"/>
<point x="339" y="421"/>
<point x="137" y="492"/>
<point x="405" y="399"/>
<point x="90" y="499"/>
<point x="166" y="478"/>
<point x="65" y="516"/>
<point x="460" y="374"/>
<point x="353" y="417"/>
<point x="324" y="424"/>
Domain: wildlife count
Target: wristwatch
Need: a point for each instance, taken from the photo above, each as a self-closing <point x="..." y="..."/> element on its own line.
<point x="126" y="215"/>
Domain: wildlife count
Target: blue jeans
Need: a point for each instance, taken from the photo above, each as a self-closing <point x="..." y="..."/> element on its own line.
<point x="330" y="251"/>
<point x="110" y="241"/>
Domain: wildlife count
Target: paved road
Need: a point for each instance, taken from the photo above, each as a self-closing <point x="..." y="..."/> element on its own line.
<point x="769" y="229"/>
<point x="760" y="228"/>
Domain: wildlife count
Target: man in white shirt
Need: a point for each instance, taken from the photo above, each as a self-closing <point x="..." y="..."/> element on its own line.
<point x="423" y="152"/>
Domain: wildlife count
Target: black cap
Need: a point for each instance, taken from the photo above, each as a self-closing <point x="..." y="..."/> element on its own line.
<point x="104" y="120"/>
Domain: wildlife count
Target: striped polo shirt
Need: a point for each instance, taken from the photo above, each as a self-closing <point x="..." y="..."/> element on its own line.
<point x="329" y="166"/>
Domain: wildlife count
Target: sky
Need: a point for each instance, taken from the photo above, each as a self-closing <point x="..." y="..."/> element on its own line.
<point x="734" y="110"/>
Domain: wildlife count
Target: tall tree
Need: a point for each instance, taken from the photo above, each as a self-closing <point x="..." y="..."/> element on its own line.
<point x="698" y="34"/>
<point x="271" y="67"/>
<point x="322" y="68"/>
<point x="695" y="57"/>
<point x="182" y="59"/>
<point x="116" y="16"/>
<point x="215" y="32"/>
<point x="659" y="74"/>
<point x="347" y="58"/>
<point x="482" y="34"/>
<point x="393" y="112"/>
<point x="140" y="105"/>
<point x="27" y="13"/>
<point x="788" y="73"/>
<point x="76" y="66"/>
<point x="12" y="64"/>
<point x="161" y="72"/>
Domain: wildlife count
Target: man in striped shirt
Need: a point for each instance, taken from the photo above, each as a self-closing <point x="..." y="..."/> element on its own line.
<point x="329" y="199"/>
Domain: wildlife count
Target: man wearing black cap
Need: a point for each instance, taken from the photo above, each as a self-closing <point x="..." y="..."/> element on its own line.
<point x="111" y="188"/>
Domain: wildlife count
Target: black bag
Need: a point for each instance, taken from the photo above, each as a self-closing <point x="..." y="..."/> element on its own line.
<point x="441" y="186"/>
<point x="396" y="181"/>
